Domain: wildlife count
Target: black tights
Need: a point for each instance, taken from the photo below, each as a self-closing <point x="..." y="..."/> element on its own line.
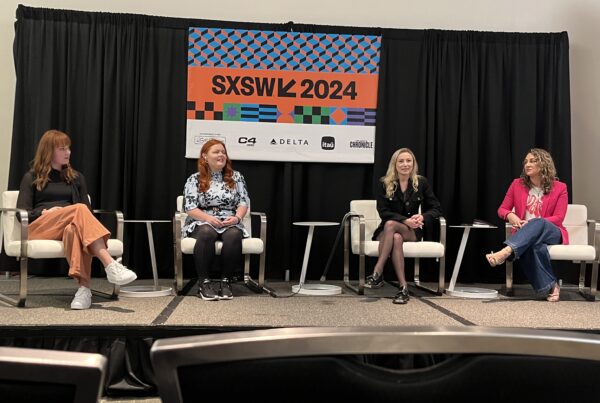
<point x="391" y="241"/>
<point x="204" y="251"/>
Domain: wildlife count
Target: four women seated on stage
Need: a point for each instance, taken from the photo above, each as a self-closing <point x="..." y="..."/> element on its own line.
<point x="58" y="207"/>
<point x="216" y="200"/>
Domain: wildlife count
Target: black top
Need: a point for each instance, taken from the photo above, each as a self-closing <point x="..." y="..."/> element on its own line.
<point x="404" y="205"/>
<point x="57" y="192"/>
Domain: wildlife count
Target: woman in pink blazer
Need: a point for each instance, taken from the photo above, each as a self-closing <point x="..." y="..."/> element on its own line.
<point x="535" y="205"/>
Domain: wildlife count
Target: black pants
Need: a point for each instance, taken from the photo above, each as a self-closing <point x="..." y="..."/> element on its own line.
<point x="204" y="251"/>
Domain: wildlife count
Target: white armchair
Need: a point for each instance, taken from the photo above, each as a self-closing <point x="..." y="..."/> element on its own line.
<point x="17" y="245"/>
<point x="583" y="248"/>
<point x="364" y="220"/>
<point x="250" y="246"/>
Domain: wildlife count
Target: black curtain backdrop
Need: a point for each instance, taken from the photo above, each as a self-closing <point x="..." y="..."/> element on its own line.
<point x="470" y="104"/>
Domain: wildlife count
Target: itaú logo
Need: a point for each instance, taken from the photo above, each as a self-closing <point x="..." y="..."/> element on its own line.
<point x="289" y="142"/>
<point x="327" y="143"/>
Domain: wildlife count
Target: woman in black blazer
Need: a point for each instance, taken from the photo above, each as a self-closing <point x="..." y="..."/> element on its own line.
<point x="403" y="192"/>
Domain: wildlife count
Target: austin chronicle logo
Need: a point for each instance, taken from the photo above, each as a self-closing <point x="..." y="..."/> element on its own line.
<point x="327" y="143"/>
<point x="361" y="144"/>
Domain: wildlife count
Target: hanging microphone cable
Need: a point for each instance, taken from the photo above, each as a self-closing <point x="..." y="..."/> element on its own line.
<point x="335" y="244"/>
<point x="253" y="285"/>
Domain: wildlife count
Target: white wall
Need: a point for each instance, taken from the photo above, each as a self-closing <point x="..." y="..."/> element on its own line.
<point x="581" y="18"/>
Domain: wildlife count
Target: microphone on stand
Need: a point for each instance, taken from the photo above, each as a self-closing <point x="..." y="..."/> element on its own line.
<point x="254" y="286"/>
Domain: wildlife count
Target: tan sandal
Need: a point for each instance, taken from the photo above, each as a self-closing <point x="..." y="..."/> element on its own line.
<point x="496" y="261"/>
<point x="554" y="295"/>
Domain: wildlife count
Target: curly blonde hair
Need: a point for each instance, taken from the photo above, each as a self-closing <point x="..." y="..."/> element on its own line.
<point x="391" y="178"/>
<point x="42" y="162"/>
<point x="547" y="170"/>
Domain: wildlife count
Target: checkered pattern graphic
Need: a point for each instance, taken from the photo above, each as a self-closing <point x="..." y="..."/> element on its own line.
<point x="311" y="115"/>
<point x="203" y="111"/>
<point x="334" y="116"/>
<point x="233" y="112"/>
<point x="316" y="115"/>
<point x="279" y="50"/>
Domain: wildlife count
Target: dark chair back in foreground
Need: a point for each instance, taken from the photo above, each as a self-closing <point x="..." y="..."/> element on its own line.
<point x="314" y="364"/>
<point x="36" y="375"/>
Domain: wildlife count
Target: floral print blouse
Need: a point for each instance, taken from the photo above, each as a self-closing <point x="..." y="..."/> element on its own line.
<point x="219" y="200"/>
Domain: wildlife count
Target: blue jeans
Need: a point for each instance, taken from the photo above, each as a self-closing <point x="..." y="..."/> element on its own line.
<point x="530" y="247"/>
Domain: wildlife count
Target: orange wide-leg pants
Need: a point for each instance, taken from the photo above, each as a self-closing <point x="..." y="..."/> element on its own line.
<point x="77" y="227"/>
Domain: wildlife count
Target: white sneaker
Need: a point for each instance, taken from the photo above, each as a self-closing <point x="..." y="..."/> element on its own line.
<point x="83" y="298"/>
<point x="118" y="274"/>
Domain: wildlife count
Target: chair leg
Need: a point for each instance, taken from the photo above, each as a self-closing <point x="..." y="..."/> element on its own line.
<point x="178" y="268"/>
<point x="361" y="282"/>
<point x="417" y="271"/>
<point x="591" y="296"/>
<point x="594" y="284"/>
<point x="582" y="270"/>
<point x="261" y="268"/>
<point x="509" y="279"/>
<point x="440" y="288"/>
<point x="360" y="288"/>
<point x="22" y="286"/>
<point x="250" y="283"/>
<point x="113" y="295"/>
<point x="442" y="276"/>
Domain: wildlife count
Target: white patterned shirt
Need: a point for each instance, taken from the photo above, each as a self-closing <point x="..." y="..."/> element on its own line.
<point x="219" y="200"/>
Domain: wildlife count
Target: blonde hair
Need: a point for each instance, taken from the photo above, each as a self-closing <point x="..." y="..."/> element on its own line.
<point x="547" y="170"/>
<point x="42" y="162"/>
<point x="391" y="178"/>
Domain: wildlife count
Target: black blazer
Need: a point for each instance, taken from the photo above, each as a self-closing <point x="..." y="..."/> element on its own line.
<point x="400" y="207"/>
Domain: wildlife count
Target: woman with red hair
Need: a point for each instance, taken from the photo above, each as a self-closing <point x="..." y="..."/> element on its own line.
<point x="216" y="201"/>
<point x="58" y="207"/>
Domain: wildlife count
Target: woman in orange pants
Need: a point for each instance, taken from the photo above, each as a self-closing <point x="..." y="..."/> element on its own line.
<point x="56" y="199"/>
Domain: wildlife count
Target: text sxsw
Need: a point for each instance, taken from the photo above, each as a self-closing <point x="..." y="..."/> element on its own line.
<point x="281" y="88"/>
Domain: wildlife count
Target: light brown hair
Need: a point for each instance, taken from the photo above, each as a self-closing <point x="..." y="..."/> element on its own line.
<point x="547" y="170"/>
<point x="42" y="162"/>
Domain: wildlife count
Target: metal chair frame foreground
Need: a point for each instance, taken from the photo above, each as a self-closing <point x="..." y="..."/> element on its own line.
<point x="168" y="355"/>
<point x="84" y="371"/>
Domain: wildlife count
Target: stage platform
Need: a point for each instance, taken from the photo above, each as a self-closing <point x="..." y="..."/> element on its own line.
<point x="125" y="329"/>
<point x="49" y="301"/>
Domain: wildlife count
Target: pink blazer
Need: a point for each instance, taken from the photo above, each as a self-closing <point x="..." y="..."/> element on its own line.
<point x="554" y="204"/>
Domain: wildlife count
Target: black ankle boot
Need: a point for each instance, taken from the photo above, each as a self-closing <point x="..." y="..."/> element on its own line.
<point x="402" y="297"/>
<point x="374" y="281"/>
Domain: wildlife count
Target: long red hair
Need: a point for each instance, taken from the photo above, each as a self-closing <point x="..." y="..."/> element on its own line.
<point x="204" y="169"/>
<point x="42" y="162"/>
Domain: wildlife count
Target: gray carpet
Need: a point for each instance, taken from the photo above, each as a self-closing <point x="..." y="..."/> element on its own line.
<point x="49" y="301"/>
